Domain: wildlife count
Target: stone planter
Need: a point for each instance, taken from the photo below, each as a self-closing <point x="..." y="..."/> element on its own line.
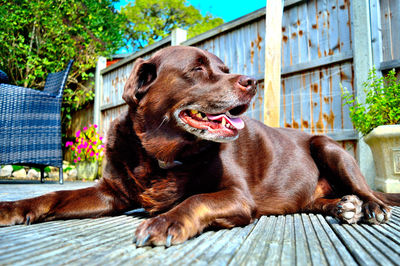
<point x="87" y="170"/>
<point x="384" y="142"/>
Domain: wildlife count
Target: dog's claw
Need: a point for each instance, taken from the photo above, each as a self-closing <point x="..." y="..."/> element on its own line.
<point x="28" y="220"/>
<point x="134" y="239"/>
<point x="168" y="241"/>
<point x="367" y="211"/>
<point x="141" y="244"/>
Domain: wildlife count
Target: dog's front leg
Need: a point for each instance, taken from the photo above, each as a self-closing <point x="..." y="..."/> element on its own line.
<point x="82" y="203"/>
<point x="226" y="208"/>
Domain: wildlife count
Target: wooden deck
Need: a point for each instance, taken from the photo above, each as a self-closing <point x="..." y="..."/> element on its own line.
<point x="298" y="239"/>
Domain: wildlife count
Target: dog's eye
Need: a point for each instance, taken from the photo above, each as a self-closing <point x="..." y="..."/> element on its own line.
<point x="199" y="68"/>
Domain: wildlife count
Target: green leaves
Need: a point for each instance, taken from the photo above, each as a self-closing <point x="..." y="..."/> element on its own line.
<point x="40" y="37"/>
<point x="382" y="103"/>
<point x="46" y="34"/>
<point x="149" y="21"/>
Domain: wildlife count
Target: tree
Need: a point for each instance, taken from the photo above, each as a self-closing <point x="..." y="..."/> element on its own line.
<point x="149" y="21"/>
<point x="39" y="37"/>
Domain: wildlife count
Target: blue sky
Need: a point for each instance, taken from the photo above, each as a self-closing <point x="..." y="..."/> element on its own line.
<point x="226" y="9"/>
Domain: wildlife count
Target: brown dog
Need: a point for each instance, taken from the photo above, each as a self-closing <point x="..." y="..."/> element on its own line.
<point x="182" y="153"/>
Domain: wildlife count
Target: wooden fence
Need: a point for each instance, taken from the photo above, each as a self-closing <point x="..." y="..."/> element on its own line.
<point x="317" y="56"/>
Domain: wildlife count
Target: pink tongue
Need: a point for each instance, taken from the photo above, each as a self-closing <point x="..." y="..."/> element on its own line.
<point x="236" y="122"/>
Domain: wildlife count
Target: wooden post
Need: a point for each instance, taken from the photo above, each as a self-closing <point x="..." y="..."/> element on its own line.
<point x="101" y="64"/>
<point x="273" y="44"/>
<point x="363" y="62"/>
<point x="178" y="36"/>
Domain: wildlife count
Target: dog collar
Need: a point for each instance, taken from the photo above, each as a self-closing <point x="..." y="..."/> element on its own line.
<point x="166" y="165"/>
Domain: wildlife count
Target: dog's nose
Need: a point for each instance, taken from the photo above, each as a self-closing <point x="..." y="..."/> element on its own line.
<point x="247" y="84"/>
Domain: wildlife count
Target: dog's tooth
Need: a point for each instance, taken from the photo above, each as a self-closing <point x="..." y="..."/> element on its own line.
<point x="223" y="121"/>
<point x="193" y="112"/>
<point x="205" y="118"/>
<point x="199" y="115"/>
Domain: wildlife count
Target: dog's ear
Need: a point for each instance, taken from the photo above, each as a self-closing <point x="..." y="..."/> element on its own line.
<point x="143" y="74"/>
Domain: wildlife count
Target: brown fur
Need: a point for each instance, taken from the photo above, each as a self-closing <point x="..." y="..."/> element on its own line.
<point x="230" y="183"/>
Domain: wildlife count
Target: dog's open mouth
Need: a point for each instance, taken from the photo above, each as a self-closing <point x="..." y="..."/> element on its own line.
<point x="216" y="127"/>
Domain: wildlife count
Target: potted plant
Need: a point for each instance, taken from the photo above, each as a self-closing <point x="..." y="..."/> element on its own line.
<point x="378" y="120"/>
<point x="87" y="151"/>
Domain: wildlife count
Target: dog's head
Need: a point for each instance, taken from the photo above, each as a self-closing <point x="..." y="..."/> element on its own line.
<point x="182" y="90"/>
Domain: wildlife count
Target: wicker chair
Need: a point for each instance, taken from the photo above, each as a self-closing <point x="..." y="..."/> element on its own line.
<point x="3" y="77"/>
<point x="30" y="124"/>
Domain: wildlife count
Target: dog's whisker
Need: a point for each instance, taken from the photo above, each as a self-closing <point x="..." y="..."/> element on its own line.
<point x="162" y="122"/>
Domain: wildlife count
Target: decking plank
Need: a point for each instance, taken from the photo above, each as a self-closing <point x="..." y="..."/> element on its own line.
<point x="353" y="246"/>
<point x="317" y="256"/>
<point x="297" y="239"/>
<point x="376" y="242"/>
<point x="303" y="256"/>
<point x="331" y="255"/>
<point x="254" y="246"/>
<point x="340" y="248"/>
<point x="288" y="255"/>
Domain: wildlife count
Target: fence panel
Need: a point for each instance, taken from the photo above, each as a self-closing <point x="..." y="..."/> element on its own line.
<point x="390" y="10"/>
<point x="316" y="58"/>
<point x="114" y="78"/>
<point x="385" y="16"/>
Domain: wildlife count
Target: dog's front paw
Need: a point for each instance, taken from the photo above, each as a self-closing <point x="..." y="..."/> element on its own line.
<point x="375" y="213"/>
<point x="349" y="209"/>
<point x="12" y="214"/>
<point x="164" y="230"/>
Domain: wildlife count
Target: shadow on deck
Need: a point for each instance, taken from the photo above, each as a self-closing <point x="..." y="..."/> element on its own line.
<point x="300" y="239"/>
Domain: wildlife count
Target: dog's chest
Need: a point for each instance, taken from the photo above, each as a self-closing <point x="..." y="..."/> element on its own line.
<point x="161" y="193"/>
<point x="166" y="188"/>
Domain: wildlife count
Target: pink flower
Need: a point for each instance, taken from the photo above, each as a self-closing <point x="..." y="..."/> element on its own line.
<point x="101" y="138"/>
<point x="85" y="128"/>
<point x="69" y="143"/>
<point x="75" y="161"/>
<point x="79" y="158"/>
<point x="77" y="133"/>
<point x="95" y="126"/>
<point x="91" y="154"/>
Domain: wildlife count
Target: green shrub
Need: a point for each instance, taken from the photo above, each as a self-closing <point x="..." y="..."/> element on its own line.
<point x="382" y="102"/>
<point x="17" y="167"/>
<point x="40" y="37"/>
